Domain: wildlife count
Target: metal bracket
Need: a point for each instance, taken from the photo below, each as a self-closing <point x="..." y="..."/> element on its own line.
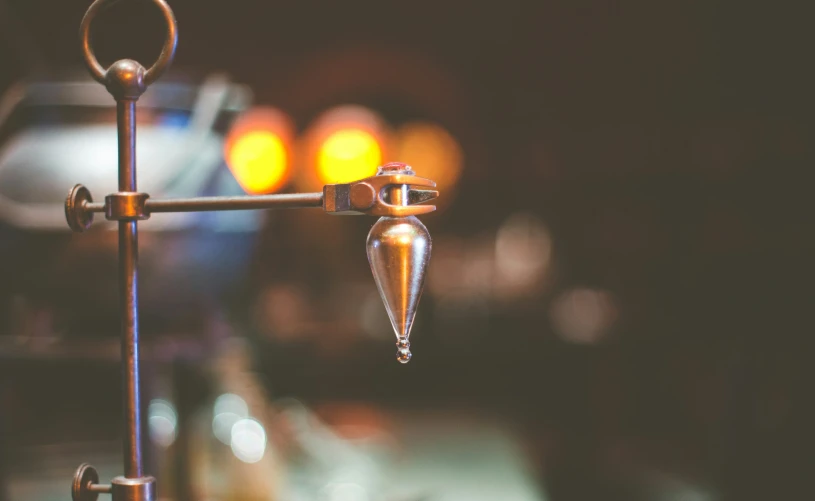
<point x="133" y="489"/>
<point x="86" y="486"/>
<point x="126" y="206"/>
<point x="369" y="196"/>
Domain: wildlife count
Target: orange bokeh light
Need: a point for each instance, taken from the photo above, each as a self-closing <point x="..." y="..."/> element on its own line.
<point x="347" y="155"/>
<point x="257" y="150"/>
<point x="258" y="161"/>
<point x="343" y="144"/>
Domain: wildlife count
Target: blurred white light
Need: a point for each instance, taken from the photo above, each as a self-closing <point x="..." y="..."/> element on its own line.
<point x="229" y="402"/>
<point x="523" y="251"/>
<point x="229" y="409"/>
<point x="583" y="315"/>
<point x="248" y="440"/>
<point x="346" y="491"/>
<point x="162" y="421"/>
<point x="222" y="426"/>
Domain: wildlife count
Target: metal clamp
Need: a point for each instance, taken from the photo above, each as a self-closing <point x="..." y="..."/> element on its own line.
<point x="133" y="489"/>
<point x="369" y="196"/>
<point x="86" y="486"/>
<point x="162" y="63"/>
<point x="126" y="206"/>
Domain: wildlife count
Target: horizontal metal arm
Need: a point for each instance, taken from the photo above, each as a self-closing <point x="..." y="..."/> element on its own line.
<point x="285" y="201"/>
<point x="366" y="196"/>
<point x="80" y="207"/>
<point x="239" y="202"/>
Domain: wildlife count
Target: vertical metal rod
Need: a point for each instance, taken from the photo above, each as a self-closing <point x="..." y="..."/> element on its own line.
<point x="126" y="126"/>
<point x="129" y="292"/>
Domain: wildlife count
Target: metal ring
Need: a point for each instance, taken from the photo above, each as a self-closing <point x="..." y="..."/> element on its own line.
<point x="161" y="64"/>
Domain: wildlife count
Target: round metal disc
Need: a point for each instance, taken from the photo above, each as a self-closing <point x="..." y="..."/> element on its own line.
<point x="85" y="474"/>
<point x="79" y="219"/>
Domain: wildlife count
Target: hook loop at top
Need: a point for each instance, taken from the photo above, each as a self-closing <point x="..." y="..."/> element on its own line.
<point x="161" y="64"/>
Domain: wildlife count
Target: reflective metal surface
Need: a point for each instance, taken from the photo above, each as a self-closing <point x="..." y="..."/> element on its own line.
<point x="284" y="201"/>
<point x="126" y="80"/>
<point x="398" y="252"/>
<point x="133" y="489"/>
<point x="394" y="191"/>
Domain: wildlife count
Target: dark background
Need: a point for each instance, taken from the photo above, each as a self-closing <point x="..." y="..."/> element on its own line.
<point x="667" y="146"/>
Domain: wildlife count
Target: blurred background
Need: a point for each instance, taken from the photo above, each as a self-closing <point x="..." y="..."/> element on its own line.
<point x="619" y="303"/>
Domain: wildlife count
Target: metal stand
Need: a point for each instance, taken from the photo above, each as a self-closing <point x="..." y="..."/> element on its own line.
<point x="391" y="194"/>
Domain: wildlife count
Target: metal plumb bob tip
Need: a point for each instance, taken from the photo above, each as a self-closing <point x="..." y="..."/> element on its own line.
<point x="398" y="245"/>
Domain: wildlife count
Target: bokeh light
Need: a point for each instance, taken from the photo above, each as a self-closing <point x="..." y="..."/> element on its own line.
<point x="228" y="410"/>
<point x="258" y="161"/>
<point x="248" y="440"/>
<point x="431" y="150"/>
<point x="162" y="421"/>
<point x="348" y="155"/>
<point x="583" y="315"/>
<point x="346" y="491"/>
<point x="344" y="144"/>
<point x="523" y="254"/>
<point x="257" y="150"/>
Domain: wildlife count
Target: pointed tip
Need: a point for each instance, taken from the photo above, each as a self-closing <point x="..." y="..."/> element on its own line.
<point x="404" y="355"/>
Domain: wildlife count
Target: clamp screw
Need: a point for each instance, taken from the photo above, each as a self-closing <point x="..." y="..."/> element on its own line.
<point x="126" y="206"/>
<point x="78" y="216"/>
<point x="86" y="486"/>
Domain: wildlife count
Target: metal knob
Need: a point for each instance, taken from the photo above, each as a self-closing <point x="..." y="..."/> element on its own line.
<point x="86" y="486"/>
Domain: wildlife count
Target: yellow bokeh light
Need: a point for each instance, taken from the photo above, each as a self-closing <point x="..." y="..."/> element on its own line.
<point x="259" y="161"/>
<point x="348" y="155"/>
